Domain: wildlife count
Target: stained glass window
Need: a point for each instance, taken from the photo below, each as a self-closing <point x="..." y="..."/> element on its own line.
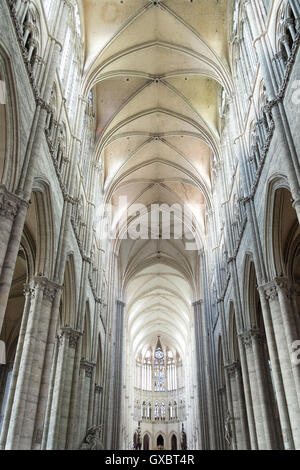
<point x="159" y="370"/>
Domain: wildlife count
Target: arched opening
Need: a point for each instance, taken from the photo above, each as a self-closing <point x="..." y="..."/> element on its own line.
<point x="174" y="442"/>
<point x="3" y="122"/>
<point x="286" y="246"/>
<point x="9" y="167"/>
<point x="160" y="442"/>
<point x="146" y="442"/>
<point x="67" y="308"/>
<point x="31" y="272"/>
<point x="11" y="327"/>
<point x="86" y="338"/>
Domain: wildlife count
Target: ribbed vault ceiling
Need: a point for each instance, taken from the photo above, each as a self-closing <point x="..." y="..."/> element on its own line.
<point x="157" y="70"/>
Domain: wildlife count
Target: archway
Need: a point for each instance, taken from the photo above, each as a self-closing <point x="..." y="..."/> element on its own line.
<point x="286" y="246"/>
<point x="11" y="327"/>
<point x="160" y="442"/>
<point x="174" y="442"/>
<point x="146" y="442"/>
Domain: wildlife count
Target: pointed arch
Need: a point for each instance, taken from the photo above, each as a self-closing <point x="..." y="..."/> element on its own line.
<point x="9" y="134"/>
<point x="68" y="301"/>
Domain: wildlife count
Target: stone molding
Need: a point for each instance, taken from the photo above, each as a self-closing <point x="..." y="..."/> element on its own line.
<point x="10" y="204"/>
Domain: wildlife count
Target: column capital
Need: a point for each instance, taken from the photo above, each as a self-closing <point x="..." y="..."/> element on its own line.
<point x="88" y="367"/>
<point x="48" y="287"/>
<point x="29" y="290"/>
<point x="10" y="203"/>
<point x="253" y="334"/>
<point x="72" y="335"/>
<point x="270" y="291"/>
<point x="98" y="388"/>
<point x="197" y="303"/>
<point x="232" y="368"/>
<point x="279" y="284"/>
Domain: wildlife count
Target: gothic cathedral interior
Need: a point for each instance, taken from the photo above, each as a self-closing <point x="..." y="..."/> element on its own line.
<point x="149" y="224"/>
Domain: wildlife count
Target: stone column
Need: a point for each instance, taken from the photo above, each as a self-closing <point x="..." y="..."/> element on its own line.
<point x="241" y="428"/>
<point x="25" y="390"/>
<point x="85" y="385"/>
<point x="288" y="377"/>
<point x="265" y="426"/>
<point x="268" y="420"/>
<point x="231" y="371"/>
<point x="201" y="376"/>
<point x="255" y="391"/>
<point x="230" y="412"/>
<point x="290" y="322"/>
<point x="97" y="404"/>
<point x="12" y="213"/>
<point x="118" y="375"/>
<point x="248" y="397"/>
<point x="57" y="417"/>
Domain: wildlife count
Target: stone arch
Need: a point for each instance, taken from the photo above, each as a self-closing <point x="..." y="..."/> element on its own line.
<point x="273" y="225"/>
<point x="9" y="135"/>
<point x="160" y="441"/>
<point x="146" y="441"/>
<point x="174" y="442"/>
<point x="33" y="263"/>
<point x="87" y="335"/>
<point x="282" y="235"/>
<point x="42" y="201"/>
<point x="15" y="314"/>
<point x="233" y="334"/>
<point x="68" y="300"/>
<point x="248" y="263"/>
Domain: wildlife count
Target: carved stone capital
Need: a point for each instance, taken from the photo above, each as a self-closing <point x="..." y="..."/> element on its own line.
<point x="258" y="335"/>
<point x="98" y="388"/>
<point x="197" y="303"/>
<point x="87" y="367"/>
<point x="232" y="368"/>
<point x="29" y="291"/>
<point x="9" y="204"/>
<point x="48" y="287"/>
<point x="246" y="338"/>
<point x="283" y="285"/>
<point x="278" y="285"/>
<point x="270" y="291"/>
<point x="251" y="335"/>
<point x="72" y="335"/>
